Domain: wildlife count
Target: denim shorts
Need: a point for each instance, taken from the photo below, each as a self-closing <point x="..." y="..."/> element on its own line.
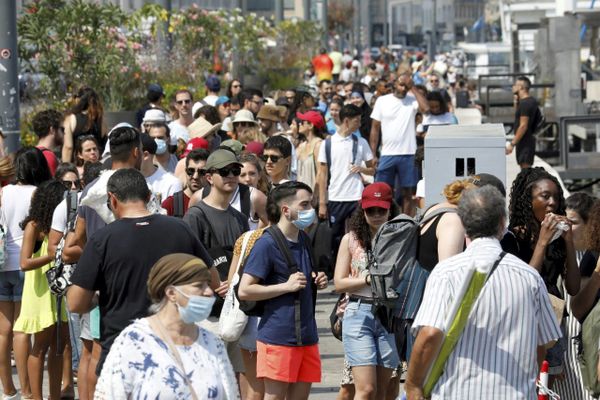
<point x="247" y="340"/>
<point x="366" y="342"/>
<point x="556" y="355"/>
<point x="400" y="169"/>
<point x="11" y="285"/>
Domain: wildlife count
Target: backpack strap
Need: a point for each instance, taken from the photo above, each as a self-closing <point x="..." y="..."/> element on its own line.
<point x="328" y="154"/>
<point x="436" y="213"/>
<point x="245" y="201"/>
<point x="178" y="204"/>
<point x="281" y="243"/>
<point x="72" y="201"/>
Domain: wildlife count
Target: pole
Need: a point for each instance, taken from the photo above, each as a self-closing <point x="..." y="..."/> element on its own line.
<point x="9" y="75"/>
<point x="433" y="31"/>
<point x="324" y="24"/>
<point x="306" y="6"/>
<point x="278" y="11"/>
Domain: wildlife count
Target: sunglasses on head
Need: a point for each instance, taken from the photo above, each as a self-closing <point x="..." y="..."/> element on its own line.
<point x="274" y="159"/>
<point x="224" y="172"/>
<point x="192" y="171"/>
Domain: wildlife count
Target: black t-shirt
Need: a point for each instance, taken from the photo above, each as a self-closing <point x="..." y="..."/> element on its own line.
<point x="116" y="261"/>
<point x="527" y="108"/>
<point x="551" y="269"/>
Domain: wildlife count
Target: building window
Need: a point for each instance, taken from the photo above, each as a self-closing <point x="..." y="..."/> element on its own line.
<point x="289" y="4"/>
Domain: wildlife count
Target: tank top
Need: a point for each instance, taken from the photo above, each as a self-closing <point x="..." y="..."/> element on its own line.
<point x="95" y="130"/>
<point x="428" y="246"/>
<point x="307" y="167"/>
<point x="359" y="264"/>
<point x="15" y="207"/>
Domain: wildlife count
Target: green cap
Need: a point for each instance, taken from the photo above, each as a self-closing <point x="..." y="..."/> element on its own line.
<point x="234" y="145"/>
<point x="221" y="158"/>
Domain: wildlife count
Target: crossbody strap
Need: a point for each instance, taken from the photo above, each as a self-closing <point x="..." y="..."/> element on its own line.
<point x="281" y="242"/>
<point x="157" y="327"/>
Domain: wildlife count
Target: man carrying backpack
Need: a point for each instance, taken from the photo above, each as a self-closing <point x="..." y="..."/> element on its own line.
<point x="279" y="269"/>
<point x="340" y="168"/>
<point x="499" y="348"/>
<point x="177" y="204"/>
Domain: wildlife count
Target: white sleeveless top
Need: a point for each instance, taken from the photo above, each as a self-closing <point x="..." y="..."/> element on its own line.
<point x="15" y="207"/>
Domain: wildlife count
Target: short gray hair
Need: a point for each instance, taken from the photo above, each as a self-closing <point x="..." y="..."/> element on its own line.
<point x="481" y="210"/>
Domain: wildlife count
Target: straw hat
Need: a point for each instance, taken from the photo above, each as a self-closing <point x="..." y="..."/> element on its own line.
<point x="201" y="128"/>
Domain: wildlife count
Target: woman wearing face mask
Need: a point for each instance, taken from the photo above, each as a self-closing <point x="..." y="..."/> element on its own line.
<point x="167" y="355"/>
<point x="358" y="99"/>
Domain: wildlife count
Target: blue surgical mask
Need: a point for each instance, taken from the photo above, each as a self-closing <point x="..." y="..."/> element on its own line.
<point x="161" y="146"/>
<point x="197" y="309"/>
<point x="305" y="218"/>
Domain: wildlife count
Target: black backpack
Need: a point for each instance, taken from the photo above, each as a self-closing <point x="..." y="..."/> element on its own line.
<point x="328" y="154"/>
<point x="245" y="201"/>
<point x="178" y="206"/>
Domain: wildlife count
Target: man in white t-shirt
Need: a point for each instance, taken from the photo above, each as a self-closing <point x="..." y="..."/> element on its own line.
<point x="183" y="105"/>
<point x="162" y="183"/>
<point x="340" y="181"/>
<point x="395" y="115"/>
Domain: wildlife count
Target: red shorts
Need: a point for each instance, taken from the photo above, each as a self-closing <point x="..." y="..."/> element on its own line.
<point x="288" y="363"/>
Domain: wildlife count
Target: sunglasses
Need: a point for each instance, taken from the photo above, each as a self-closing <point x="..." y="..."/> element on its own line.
<point x="70" y="184"/>
<point x="224" y="172"/>
<point x="191" y="171"/>
<point x="274" y="159"/>
<point x="236" y="86"/>
<point x="186" y="101"/>
<point x="373" y="211"/>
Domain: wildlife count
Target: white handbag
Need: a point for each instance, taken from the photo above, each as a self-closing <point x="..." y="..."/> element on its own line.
<point x="233" y="320"/>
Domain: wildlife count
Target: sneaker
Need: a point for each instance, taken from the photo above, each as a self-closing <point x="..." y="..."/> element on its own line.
<point x="16" y="396"/>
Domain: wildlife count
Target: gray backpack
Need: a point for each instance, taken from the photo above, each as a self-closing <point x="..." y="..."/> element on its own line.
<point x="397" y="280"/>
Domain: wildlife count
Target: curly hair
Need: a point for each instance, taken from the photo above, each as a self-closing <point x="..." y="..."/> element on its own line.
<point x="45" y="199"/>
<point x="359" y="226"/>
<point x="592" y="229"/>
<point x="522" y="220"/>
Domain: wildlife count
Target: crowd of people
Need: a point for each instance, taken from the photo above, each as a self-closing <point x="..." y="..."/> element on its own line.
<point x="237" y="206"/>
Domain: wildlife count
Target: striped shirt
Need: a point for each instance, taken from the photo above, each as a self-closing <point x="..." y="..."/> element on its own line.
<point x="571" y="387"/>
<point x="496" y="356"/>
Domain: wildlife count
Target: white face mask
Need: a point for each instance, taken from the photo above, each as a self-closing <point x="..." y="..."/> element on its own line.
<point x="161" y="146"/>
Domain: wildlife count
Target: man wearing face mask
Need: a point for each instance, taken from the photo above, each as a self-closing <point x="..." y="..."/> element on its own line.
<point x="109" y="263"/>
<point x="162" y="183"/>
<point x="288" y="354"/>
<point x="161" y="135"/>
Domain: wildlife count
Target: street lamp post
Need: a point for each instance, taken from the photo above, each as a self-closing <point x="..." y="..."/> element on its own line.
<point x="9" y="75"/>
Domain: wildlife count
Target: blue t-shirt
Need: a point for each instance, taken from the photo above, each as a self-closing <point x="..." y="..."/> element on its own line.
<point x="277" y="325"/>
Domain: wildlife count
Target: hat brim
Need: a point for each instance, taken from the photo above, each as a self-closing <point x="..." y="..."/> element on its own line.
<point x="223" y="164"/>
<point x="376" y="203"/>
<point x="215" y="128"/>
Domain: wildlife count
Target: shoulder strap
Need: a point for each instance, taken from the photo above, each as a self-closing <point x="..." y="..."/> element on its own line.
<point x="207" y="240"/>
<point x="435" y="213"/>
<point x="500" y="257"/>
<point x="245" y="201"/>
<point x="354" y="148"/>
<point x="178" y="204"/>
<point x="71" y="209"/>
<point x="280" y="240"/>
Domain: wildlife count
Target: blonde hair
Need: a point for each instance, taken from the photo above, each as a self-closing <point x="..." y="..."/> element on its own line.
<point x="454" y="190"/>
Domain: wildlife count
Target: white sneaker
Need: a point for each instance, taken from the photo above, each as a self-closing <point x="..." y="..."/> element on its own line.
<point x="16" y="396"/>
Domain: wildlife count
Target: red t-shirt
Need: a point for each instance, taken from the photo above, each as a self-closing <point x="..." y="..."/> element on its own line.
<point x="50" y="159"/>
<point x="323" y="67"/>
<point x="168" y="204"/>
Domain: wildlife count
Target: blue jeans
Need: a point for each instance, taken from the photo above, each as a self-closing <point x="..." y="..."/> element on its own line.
<point x="366" y="342"/>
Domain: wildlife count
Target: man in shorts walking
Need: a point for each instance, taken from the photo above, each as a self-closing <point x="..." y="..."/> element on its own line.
<point x="288" y="354"/>
<point x="395" y="114"/>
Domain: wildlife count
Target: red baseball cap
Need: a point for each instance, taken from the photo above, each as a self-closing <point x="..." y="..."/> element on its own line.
<point x="314" y="117"/>
<point x="195" y="143"/>
<point x="378" y="194"/>
<point x="255" y="148"/>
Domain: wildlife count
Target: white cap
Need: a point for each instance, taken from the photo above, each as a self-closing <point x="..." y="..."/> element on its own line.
<point x="106" y="152"/>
